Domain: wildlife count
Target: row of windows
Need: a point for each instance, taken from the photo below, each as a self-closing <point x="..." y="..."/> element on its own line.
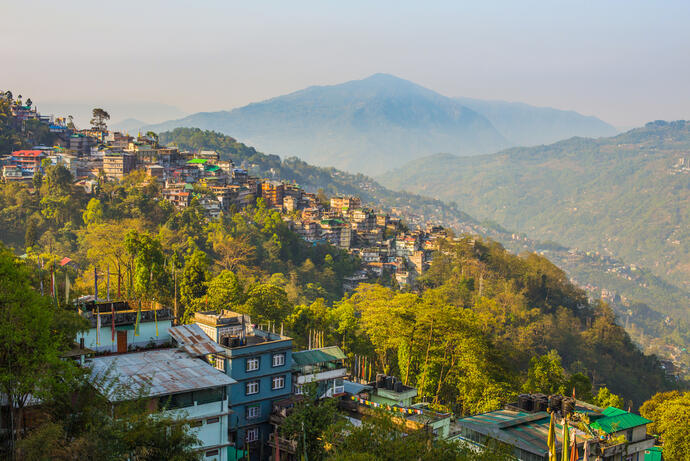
<point x="277" y="360"/>
<point x="252" y="387"/>
<point x="187" y="399"/>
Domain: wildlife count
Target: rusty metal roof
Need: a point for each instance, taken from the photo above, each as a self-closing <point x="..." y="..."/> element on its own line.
<point x="153" y="373"/>
<point x="194" y="341"/>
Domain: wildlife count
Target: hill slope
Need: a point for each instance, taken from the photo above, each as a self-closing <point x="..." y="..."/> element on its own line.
<point x="627" y="195"/>
<point x="525" y="125"/>
<point x="362" y="125"/>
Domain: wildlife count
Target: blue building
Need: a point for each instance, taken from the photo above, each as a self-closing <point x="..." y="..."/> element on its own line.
<point x="261" y="364"/>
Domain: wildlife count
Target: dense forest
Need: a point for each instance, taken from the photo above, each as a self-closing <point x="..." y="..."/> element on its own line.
<point x="467" y="339"/>
<point x="631" y="189"/>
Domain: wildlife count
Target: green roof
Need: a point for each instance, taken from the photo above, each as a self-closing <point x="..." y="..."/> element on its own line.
<point x="616" y="420"/>
<point x="313" y="356"/>
<point x="198" y="161"/>
<point x="188" y="187"/>
<point x="653" y="454"/>
<point x="613" y="411"/>
<point x="212" y="168"/>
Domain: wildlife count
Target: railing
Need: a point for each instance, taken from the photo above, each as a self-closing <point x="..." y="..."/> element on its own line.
<point x="283" y="443"/>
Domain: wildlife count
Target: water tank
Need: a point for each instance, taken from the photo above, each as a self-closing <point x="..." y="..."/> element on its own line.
<point x="555" y="402"/>
<point x="568" y="405"/>
<point x="398" y="386"/>
<point x="541" y="402"/>
<point x="380" y="380"/>
<point x="525" y="402"/>
<point x="389" y="383"/>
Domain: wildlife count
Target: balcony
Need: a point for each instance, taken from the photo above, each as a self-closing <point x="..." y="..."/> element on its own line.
<point x="285" y="445"/>
<point x="315" y="374"/>
<point x="630" y="448"/>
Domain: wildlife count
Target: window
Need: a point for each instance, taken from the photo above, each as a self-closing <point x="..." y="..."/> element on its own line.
<point x="197" y="423"/>
<point x="253" y="411"/>
<point x="176" y="401"/>
<point x="252" y="364"/>
<point x="279" y="359"/>
<point x="252" y="434"/>
<point x="211" y="453"/>
<point x="212" y="420"/>
<point x="252" y="387"/>
<point x="299" y="389"/>
<point x="209" y="395"/>
<point x="278" y="382"/>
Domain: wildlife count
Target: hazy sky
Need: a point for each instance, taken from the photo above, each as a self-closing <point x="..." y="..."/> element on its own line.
<point x="627" y="62"/>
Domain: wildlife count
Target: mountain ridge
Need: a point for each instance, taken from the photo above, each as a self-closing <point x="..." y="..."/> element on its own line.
<point x="633" y="187"/>
<point x="365" y="125"/>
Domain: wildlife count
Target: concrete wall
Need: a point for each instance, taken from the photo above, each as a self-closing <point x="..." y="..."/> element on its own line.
<point x="147" y="334"/>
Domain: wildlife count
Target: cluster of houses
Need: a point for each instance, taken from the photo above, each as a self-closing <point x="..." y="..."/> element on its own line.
<point x="236" y="382"/>
<point x="219" y="185"/>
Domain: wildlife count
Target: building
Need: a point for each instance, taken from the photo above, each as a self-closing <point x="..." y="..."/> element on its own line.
<point x="28" y="160"/>
<point x="525" y="426"/>
<point x="261" y="363"/>
<point x="323" y="366"/>
<point x="117" y="165"/>
<point x="180" y="383"/>
<point x="272" y="193"/>
<point x="119" y="331"/>
<point x="345" y="203"/>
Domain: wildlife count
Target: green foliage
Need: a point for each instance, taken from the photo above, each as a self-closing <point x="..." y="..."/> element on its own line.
<point x="379" y="438"/>
<point x="33" y="334"/>
<point x="308" y="422"/>
<point x="605" y="398"/>
<point x="670" y="412"/>
<point x="623" y="187"/>
<point x="545" y="374"/>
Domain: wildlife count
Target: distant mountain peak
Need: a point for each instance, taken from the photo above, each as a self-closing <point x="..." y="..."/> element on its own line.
<point x="381" y="121"/>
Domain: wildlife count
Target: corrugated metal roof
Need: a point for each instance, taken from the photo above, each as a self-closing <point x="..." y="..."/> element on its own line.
<point x="194" y="341"/>
<point x="312" y="356"/>
<point x="153" y="373"/>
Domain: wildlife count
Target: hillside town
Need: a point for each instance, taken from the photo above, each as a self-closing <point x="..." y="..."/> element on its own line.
<point x="92" y="156"/>
<point x="235" y="381"/>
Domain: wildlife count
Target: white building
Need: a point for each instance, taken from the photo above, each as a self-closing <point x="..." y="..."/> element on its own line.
<point x="179" y="383"/>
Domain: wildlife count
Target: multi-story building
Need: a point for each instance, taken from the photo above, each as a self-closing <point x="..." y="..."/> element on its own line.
<point x="261" y="363"/>
<point x="272" y="192"/>
<point x="345" y="203"/>
<point x="178" y="382"/>
<point x="28" y="160"/>
<point x="116" y="165"/>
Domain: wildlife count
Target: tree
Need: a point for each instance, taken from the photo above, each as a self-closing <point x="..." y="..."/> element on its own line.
<point x="94" y="212"/>
<point x="30" y="363"/>
<point x="670" y="412"/>
<point x="99" y="119"/>
<point x="267" y="303"/>
<point x="308" y="423"/>
<point x="192" y="285"/>
<point x="225" y="291"/>
<point x="605" y="398"/>
<point x="545" y="374"/>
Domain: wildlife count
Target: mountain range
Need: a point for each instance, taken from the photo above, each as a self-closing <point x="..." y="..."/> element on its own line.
<point x="626" y="196"/>
<point x="380" y="122"/>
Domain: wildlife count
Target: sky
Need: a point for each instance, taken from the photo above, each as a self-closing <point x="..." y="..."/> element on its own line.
<point x="623" y="61"/>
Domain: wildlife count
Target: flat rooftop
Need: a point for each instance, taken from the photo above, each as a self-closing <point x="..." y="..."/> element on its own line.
<point x="153" y="373"/>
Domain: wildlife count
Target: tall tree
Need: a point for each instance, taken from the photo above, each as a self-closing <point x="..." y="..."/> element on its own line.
<point x="30" y="364"/>
<point x="99" y="117"/>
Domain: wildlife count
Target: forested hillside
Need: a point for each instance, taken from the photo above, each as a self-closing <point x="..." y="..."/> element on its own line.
<point x="418" y="210"/>
<point x="467" y="339"/>
<point x="627" y="196"/>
